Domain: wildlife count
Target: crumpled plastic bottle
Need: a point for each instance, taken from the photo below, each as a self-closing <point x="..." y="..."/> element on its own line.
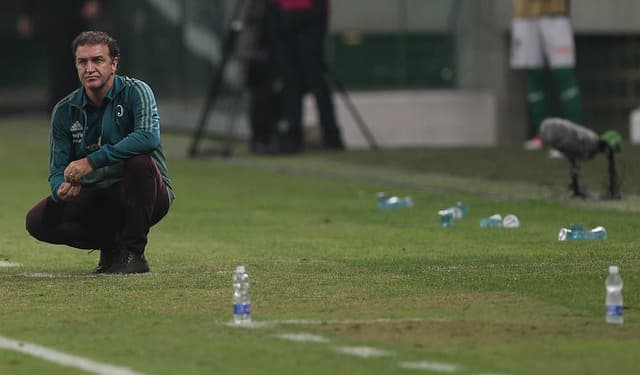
<point x="511" y="221"/>
<point x="493" y="221"/>
<point x="597" y="233"/>
<point x="385" y="201"/>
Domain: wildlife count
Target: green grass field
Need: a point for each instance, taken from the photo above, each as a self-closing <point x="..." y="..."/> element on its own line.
<point x="326" y="262"/>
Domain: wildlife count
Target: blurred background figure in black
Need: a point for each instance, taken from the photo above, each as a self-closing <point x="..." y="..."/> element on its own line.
<point x="58" y="23"/>
<point x="264" y="81"/>
<point x="301" y="28"/>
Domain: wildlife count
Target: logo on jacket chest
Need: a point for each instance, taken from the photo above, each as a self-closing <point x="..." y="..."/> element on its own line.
<point x="76" y="132"/>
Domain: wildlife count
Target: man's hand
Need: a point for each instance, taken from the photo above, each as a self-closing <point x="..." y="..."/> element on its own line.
<point x="76" y="169"/>
<point x="67" y="191"/>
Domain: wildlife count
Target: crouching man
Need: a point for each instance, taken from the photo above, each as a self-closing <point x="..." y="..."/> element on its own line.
<point x="108" y="175"/>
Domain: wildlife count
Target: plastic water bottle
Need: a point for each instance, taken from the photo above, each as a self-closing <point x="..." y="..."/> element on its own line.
<point x="511" y="221"/>
<point x="577" y="231"/>
<point x="597" y="233"/>
<point x="493" y="221"/>
<point x="613" y="301"/>
<point x="463" y="209"/>
<point x="459" y="211"/>
<point x="241" y="301"/>
<point x="446" y="218"/>
<point x="381" y="199"/>
<point x="385" y="201"/>
<point x="573" y="233"/>
<point x="567" y="234"/>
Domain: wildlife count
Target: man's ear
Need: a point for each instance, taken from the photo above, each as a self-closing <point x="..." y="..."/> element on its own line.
<point x="115" y="62"/>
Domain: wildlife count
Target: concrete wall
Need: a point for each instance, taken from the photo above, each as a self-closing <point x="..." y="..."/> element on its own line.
<point x="415" y="118"/>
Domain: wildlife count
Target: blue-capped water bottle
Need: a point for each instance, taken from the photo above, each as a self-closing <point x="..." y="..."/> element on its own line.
<point x="241" y="301"/>
<point x="597" y="233"/>
<point x="613" y="301"/>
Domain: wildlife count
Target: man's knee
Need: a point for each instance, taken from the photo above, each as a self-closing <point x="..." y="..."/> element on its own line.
<point x="34" y="222"/>
<point x="139" y="162"/>
<point x="140" y="166"/>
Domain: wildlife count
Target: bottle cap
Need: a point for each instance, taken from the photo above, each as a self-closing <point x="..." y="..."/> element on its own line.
<point x="240" y="269"/>
<point x="613" y="269"/>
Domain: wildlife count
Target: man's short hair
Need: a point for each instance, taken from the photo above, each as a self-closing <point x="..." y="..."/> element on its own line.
<point x="93" y="38"/>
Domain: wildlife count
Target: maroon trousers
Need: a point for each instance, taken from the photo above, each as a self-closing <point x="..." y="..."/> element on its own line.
<point x="116" y="218"/>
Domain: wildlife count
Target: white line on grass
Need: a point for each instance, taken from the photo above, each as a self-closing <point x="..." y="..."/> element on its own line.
<point x="429" y="366"/>
<point x="350" y="321"/>
<point x="302" y="337"/>
<point x="363" y="351"/>
<point x="4" y="263"/>
<point x="271" y="323"/>
<point x="64" y="359"/>
<point x="44" y="275"/>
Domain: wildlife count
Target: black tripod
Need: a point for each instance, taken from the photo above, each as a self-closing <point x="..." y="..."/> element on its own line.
<point x="236" y="26"/>
<point x="241" y="17"/>
<point x="613" y="185"/>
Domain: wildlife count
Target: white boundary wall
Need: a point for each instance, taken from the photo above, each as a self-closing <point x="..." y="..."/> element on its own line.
<point x="417" y="118"/>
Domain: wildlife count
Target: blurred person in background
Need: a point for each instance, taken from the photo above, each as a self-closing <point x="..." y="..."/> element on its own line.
<point x="57" y="22"/>
<point x="301" y="28"/>
<point x="541" y="32"/>
<point x="264" y="81"/>
<point x="107" y="172"/>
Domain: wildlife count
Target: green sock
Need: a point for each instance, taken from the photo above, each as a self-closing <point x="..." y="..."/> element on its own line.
<point x="569" y="93"/>
<point x="537" y="99"/>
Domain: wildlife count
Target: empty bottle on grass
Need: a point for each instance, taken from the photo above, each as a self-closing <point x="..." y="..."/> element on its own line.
<point x="574" y="232"/>
<point x="464" y="209"/>
<point x="493" y="221"/>
<point x="597" y="233"/>
<point x="386" y="201"/>
<point x="459" y="211"/>
<point x="511" y="221"/>
<point x="241" y="301"/>
<point x="446" y="218"/>
<point x="448" y="215"/>
<point x="613" y="301"/>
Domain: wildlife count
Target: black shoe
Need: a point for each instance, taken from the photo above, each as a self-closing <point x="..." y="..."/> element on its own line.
<point x="332" y="142"/>
<point x="107" y="259"/>
<point x="289" y="143"/>
<point x="131" y="263"/>
<point x="262" y="148"/>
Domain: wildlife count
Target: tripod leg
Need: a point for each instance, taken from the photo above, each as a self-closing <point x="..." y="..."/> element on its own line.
<point x="355" y="114"/>
<point x="575" y="179"/>
<point x="227" y="48"/>
<point x="614" y="180"/>
<point x="227" y="148"/>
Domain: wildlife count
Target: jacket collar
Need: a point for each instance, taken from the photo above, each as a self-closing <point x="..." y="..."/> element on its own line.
<point x="80" y="98"/>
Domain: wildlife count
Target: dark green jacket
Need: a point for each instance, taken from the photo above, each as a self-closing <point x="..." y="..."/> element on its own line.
<point x="130" y="127"/>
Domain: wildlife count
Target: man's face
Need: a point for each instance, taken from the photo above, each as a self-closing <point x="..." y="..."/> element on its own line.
<point x="95" y="66"/>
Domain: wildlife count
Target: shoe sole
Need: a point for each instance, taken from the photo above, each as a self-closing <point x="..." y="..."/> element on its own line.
<point x="127" y="270"/>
